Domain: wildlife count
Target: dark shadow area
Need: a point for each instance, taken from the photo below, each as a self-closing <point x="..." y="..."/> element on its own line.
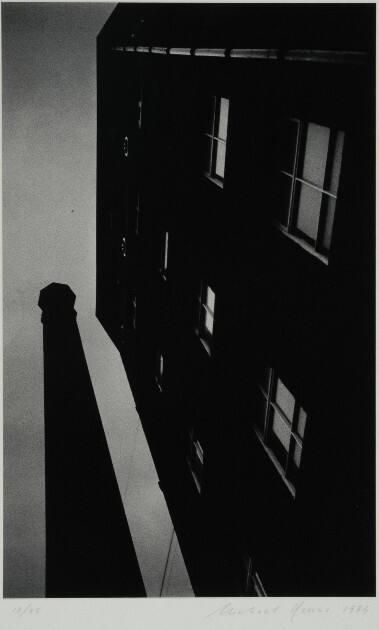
<point x="89" y="549"/>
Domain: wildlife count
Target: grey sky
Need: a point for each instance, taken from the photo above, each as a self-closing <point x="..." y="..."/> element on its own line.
<point x="49" y="167"/>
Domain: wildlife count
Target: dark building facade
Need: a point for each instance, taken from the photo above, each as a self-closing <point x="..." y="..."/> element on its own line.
<point x="235" y="240"/>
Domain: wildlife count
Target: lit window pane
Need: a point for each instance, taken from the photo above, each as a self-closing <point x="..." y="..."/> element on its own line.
<point x="301" y="422"/>
<point x="297" y="454"/>
<point x="316" y="153"/>
<point x="337" y="160"/>
<point x="284" y="399"/>
<point x="223" y="119"/>
<point x="208" y="322"/>
<point x="330" y="204"/>
<point x="210" y="299"/>
<point x="287" y="149"/>
<point x="308" y="211"/>
<point x="220" y="149"/>
<point x="281" y="430"/>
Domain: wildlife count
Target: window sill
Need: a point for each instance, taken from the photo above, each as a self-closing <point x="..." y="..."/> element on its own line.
<point x="303" y="244"/>
<point x="277" y="465"/>
<point x="214" y="180"/>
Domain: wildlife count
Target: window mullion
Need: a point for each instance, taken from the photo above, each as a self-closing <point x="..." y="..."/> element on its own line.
<point x="216" y="114"/>
<point x="268" y="408"/>
<point x="291" y="211"/>
<point x="311" y="185"/>
<point x="214" y="98"/>
<point x="213" y="133"/>
<point x="290" y="175"/>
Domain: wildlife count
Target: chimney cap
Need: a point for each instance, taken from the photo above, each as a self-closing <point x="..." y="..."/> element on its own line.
<point x="56" y="296"/>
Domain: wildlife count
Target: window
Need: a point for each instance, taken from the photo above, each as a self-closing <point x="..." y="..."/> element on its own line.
<point x="134" y="312"/>
<point x="140" y="105"/>
<point x="310" y="166"/>
<point x="253" y="586"/>
<point x="123" y="247"/>
<point x="159" y="371"/>
<point x="195" y="459"/>
<point x="163" y="265"/>
<point x="131" y="312"/>
<point x="280" y="425"/>
<point x="215" y="138"/>
<point x="207" y="301"/>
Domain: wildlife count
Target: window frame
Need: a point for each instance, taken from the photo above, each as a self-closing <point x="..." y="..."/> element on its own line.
<point x="205" y="336"/>
<point x="163" y="254"/>
<point x="268" y="438"/>
<point x="134" y="312"/>
<point x="215" y="140"/>
<point x="313" y="246"/>
<point x="159" y="370"/>
<point x="140" y="108"/>
<point x="195" y="448"/>
<point x="123" y="247"/>
<point x="253" y="586"/>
